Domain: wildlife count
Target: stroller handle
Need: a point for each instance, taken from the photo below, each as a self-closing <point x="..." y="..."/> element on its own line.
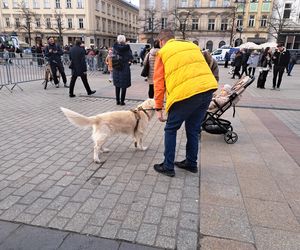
<point x="250" y="81"/>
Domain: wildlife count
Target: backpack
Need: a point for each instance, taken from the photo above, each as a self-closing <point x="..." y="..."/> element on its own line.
<point x="117" y="63"/>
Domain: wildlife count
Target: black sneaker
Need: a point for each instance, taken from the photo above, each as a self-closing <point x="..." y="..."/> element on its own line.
<point x="66" y="86"/>
<point x="160" y="168"/>
<point x="72" y="95"/>
<point x="183" y="164"/>
<point x="92" y="92"/>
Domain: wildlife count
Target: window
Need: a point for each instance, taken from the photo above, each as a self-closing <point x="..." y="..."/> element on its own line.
<point x="224" y="24"/>
<point x="57" y="4"/>
<point x="104" y="25"/>
<point x="196" y="3"/>
<point x="263" y="21"/>
<point x="184" y="3"/>
<point x="287" y="10"/>
<point x="211" y="24"/>
<point x="38" y="22"/>
<point x="48" y="23"/>
<point x="251" y="21"/>
<point x="69" y="4"/>
<point x="150" y="23"/>
<point x="35" y="4"/>
<point x="17" y="22"/>
<point x="212" y="3"/>
<point x="222" y="43"/>
<point x="239" y="22"/>
<point x="164" y="4"/>
<point x="80" y="22"/>
<point x="109" y="26"/>
<point x="5" y="4"/>
<point x="80" y="4"/>
<point x="209" y="45"/>
<point x="108" y="9"/>
<point x="163" y="23"/>
<point x="151" y="4"/>
<point x="182" y="26"/>
<point x="195" y="24"/>
<point x="7" y="22"/>
<point x="103" y="6"/>
<point x="47" y="4"/>
<point x="70" y="23"/>
<point x="113" y="10"/>
<point x="98" y="24"/>
<point x="25" y="3"/>
<point x="15" y="3"/>
<point x="226" y="3"/>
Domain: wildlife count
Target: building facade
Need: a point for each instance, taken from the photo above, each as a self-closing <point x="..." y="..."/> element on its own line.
<point x="287" y="13"/>
<point x="213" y="23"/>
<point x="96" y="22"/>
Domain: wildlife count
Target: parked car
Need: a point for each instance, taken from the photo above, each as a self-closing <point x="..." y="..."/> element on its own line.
<point x="219" y="55"/>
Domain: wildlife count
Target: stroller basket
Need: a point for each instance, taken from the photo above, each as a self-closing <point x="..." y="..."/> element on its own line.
<point x="213" y="124"/>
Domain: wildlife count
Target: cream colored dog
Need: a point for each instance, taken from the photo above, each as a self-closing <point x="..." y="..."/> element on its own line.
<point x="132" y="122"/>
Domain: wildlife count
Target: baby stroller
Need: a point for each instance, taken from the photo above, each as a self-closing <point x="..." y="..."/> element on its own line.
<point x="213" y="124"/>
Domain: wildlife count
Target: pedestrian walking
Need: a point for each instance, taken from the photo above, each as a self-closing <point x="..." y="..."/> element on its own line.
<point x="237" y="65"/>
<point x="293" y="61"/>
<point x="252" y="62"/>
<point x="245" y="57"/>
<point x="227" y="59"/>
<point x="121" y="70"/>
<point x="108" y="62"/>
<point x="150" y="59"/>
<point x="39" y="55"/>
<point x="53" y="53"/>
<point x="281" y="59"/>
<point x="265" y="63"/>
<point x="79" y="68"/>
<point x="183" y="74"/>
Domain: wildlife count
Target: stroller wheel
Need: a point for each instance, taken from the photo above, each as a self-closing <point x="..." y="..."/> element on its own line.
<point x="230" y="137"/>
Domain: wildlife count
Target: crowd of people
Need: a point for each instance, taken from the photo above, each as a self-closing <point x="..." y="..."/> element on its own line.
<point x="246" y="62"/>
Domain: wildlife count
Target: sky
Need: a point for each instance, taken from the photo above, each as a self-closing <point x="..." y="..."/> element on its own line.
<point x="135" y="2"/>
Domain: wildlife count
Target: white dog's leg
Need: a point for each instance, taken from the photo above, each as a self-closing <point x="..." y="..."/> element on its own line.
<point x="104" y="150"/>
<point x="96" y="154"/>
<point x="141" y="144"/>
<point x="98" y="148"/>
<point x="139" y="141"/>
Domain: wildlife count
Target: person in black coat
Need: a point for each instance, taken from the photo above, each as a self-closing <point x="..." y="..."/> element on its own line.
<point x="237" y="65"/>
<point x="53" y="53"/>
<point x="245" y="57"/>
<point x="122" y="74"/>
<point x="266" y="65"/>
<point x="281" y="59"/>
<point x="79" y="68"/>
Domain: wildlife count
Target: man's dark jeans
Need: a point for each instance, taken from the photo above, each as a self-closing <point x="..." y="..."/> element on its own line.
<point x="278" y="70"/>
<point x="58" y="66"/>
<point x="191" y="111"/>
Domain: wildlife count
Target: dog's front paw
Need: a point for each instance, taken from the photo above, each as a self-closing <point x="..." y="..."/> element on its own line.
<point x="143" y="148"/>
<point x="97" y="161"/>
<point x="105" y="150"/>
<point x="135" y="144"/>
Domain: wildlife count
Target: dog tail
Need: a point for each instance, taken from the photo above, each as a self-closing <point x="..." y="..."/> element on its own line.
<point x="78" y="119"/>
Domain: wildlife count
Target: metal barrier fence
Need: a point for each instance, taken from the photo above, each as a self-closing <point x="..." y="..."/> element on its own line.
<point x="15" y="69"/>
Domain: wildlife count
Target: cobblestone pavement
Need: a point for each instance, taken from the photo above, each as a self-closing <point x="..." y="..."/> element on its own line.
<point x="249" y="194"/>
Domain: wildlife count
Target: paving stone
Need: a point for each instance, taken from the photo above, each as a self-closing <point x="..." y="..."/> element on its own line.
<point x="149" y="180"/>
<point x="147" y="234"/>
<point x="91" y="230"/>
<point x="44" y="217"/>
<point x="9" y="201"/>
<point x="128" y="235"/>
<point x="38" y="179"/>
<point x="24" y="189"/>
<point x="171" y="209"/>
<point x="225" y="222"/>
<point x="129" y="246"/>
<point x="187" y="240"/>
<point x="168" y="227"/>
<point x="110" y="200"/>
<point x="153" y="215"/>
<point x="30" y="197"/>
<point x="158" y="200"/>
<point x="110" y="229"/>
<point x="82" y="195"/>
<point x="78" y="222"/>
<point x="11" y="213"/>
<point x="133" y="220"/>
<point x="189" y="221"/>
<point x="119" y="212"/>
<point x="37" y="207"/>
<point x="125" y="177"/>
<point x="90" y="205"/>
<point x="58" y="222"/>
<point x="212" y="243"/>
<point x="100" y="192"/>
<point x="174" y="195"/>
<point x="190" y="205"/>
<point x="69" y="210"/>
<point x="145" y="191"/>
<point x="271" y="214"/>
<point x="45" y="185"/>
<point x="271" y="239"/>
<point x="53" y="192"/>
<point x="99" y="217"/>
<point x="25" y="218"/>
<point x="65" y="181"/>
<point x="133" y="186"/>
<point x="165" y="242"/>
<point x="177" y="183"/>
<point x="58" y="203"/>
<point x="71" y="190"/>
<point x="127" y="197"/>
<point x="139" y="204"/>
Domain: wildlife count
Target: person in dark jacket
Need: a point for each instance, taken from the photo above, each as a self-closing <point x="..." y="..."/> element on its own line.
<point x="79" y="68"/>
<point x="54" y="52"/>
<point x="237" y="65"/>
<point x="293" y="61"/>
<point x="265" y="64"/>
<point x="227" y="59"/>
<point x="122" y="75"/>
<point x="245" y="57"/>
<point x="281" y="59"/>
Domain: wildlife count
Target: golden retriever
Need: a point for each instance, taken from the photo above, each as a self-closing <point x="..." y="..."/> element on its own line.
<point x="132" y="122"/>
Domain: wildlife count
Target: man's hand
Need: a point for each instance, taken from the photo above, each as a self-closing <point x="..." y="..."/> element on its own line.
<point x="160" y="116"/>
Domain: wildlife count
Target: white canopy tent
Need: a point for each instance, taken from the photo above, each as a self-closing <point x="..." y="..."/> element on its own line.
<point x="272" y="45"/>
<point x="250" y="45"/>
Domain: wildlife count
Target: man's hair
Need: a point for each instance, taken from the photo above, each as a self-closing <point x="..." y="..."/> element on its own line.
<point x="166" y="35"/>
<point x="280" y="44"/>
<point x="78" y="42"/>
<point x="156" y="44"/>
<point x="196" y="42"/>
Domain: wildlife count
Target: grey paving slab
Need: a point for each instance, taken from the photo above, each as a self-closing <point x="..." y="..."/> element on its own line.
<point x="212" y="243"/>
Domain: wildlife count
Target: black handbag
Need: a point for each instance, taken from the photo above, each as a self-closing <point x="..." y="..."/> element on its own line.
<point x="146" y="68"/>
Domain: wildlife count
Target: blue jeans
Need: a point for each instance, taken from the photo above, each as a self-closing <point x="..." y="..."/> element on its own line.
<point x="191" y="111"/>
